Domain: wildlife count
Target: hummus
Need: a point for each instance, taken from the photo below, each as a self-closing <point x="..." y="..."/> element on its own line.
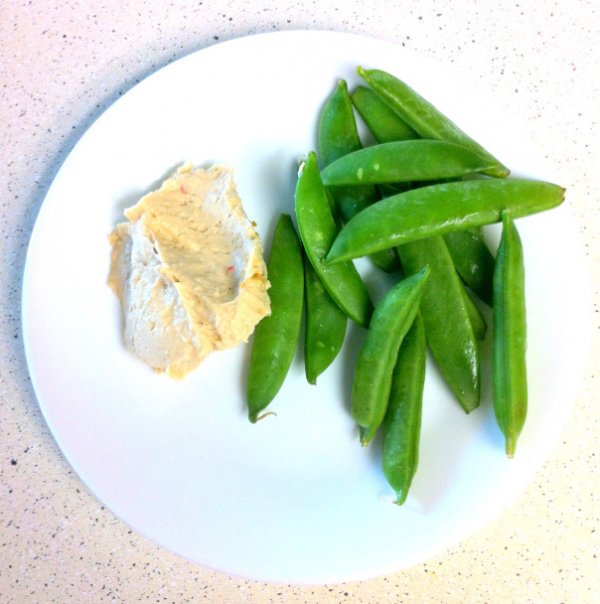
<point x="189" y="271"/>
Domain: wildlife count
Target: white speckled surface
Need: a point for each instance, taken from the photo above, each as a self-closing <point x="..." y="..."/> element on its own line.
<point x="62" y="64"/>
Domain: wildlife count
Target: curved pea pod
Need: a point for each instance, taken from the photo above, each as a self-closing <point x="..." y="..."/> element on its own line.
<point x="391" y="320"/>
<point x="510" y="336"/>
<point x="439" y="209"/>
<point x="448" y="327"/>
<point x="337" y="135"/>
<point x="384" y="123"/>
<point x="317" y="231"/>
<point x="276" y="336"/>
<point x="325" y="326"/>
<point x="404" y="161"/>
<point x="473" y="261"/>
<point x="422" y="116"/>
<point x="402" y="423"/>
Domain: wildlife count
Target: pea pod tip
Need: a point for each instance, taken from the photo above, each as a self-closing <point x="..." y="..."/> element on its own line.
<point x="511" y="445"/>
<point x="332" y="257"/>
<point x="365" y="436"/>
<point x="255" y="417"/>
<point x="469" y="405"/>
<point x="342" y="84"/>
<point x="401" y="496"/>
<point x="501" y="171"/>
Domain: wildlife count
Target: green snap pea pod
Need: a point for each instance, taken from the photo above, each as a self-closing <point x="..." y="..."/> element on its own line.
<point x="422" y="116"/>
<point x="448" y="328"/>
<point x="402" y="423"/>
<point x="325" y="326"/>
<point x="471" y="256"/>
<point x="510" y="336"/>
<point x="317" y="231"/>
<point x="440" y="209"/>
<point x="475" y="316"/>
<point x="404" y="161"/>
<point x="473" y="261"/>
<point x="337" y="135"/>
<point x="384" y="123"/>
<point x="325" y="322"/>
<point x="276" y="336"/>
<point x="391" y="320"/>
<point x="477" y="319"/>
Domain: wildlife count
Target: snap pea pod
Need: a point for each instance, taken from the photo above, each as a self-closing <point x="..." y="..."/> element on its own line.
<point x="276" y="336"/>
<point x="317" y="231"/>
<point x="384" y="123"/>
<point x="510" y="336"/>
<point x="402" y="423"/>
<point x="337" y="135"/>
<point x="477" y="319"/>
<point x="448" y="327"/>
<point x="475" y="316"/>
<point x="440" y="209"/>
<point x="422" y="116"/>
<point x="391" y="320"/>
<point x="473" y="261"/>
<point x="471" y="256"/>
<point x="325" y="326"/>
<point x="404" y="161"/>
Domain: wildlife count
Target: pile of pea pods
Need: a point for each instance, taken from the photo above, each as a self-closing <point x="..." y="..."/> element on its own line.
<point x="415" y="203"/>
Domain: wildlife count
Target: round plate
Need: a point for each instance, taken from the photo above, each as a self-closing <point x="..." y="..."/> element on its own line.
<point x="293" y="498"/>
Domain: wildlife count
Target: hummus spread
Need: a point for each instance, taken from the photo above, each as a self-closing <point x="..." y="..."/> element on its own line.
<point x="189" y="271"/>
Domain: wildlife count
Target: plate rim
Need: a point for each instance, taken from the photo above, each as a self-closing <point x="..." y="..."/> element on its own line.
<point x="25" y="297"/>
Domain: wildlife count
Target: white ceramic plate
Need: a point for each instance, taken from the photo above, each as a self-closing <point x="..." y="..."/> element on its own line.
<point x="293" y="498"/>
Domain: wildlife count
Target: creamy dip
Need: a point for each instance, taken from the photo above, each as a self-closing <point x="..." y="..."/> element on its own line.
<point x="189" y="271"/>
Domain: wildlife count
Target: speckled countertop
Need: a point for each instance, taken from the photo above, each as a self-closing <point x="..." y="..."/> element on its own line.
<point x="62" y="64"/>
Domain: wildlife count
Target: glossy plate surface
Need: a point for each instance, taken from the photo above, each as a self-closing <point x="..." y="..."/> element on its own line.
<point x="293" y="498"/>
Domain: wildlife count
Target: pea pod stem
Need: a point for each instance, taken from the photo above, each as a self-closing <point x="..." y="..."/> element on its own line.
<point x="422" y="116"/>
<point x="391" y="320"/>
<point x="402" y="422"/>
<point x="510" y="335"/>
<point x="276" y="336"/>
<point x="439" y="209"/>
